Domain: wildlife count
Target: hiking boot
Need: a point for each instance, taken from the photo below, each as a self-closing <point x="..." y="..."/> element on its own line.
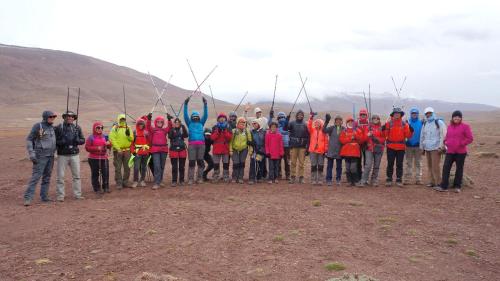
<point x="134" y="184"/>
<point x="270" y="182"/>
<point x="276" y="181"/>
<point x="155" y="187"/>
<point x="457" y="190"/>
<point x="27" y="203"/>
<point x="190" y="182"/>
<point x="291" y="180"/>
<point x="429" y="185"/>
<point x="399" y="184"/>
<point x="79" y="198"/>
<point x="173" y="184"/>
<point x="60" y="199"/>
<point x="440" y="189"/>
<point x="418" y="182"/>
<point x="360" y="184"/>
<point x="329" y="183"/>
<point x="388" y="183"/>
<point x="251" y="182"/>
<point x="142" y="184"/>
<point x="301" y="180"/>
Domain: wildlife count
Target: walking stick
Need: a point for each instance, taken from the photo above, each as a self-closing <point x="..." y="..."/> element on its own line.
<point x="238" y="106"/>
<point x="274" y="93"/>
<point x="77" y="106"/>
<point x="296" y="99"/>
<point x="125" y="106"/>
<point x="199" y="86"/>
<point x="305" y="92"/>
<point x="213" y="100"/>
<point x="369" y="101"/>
<point x="67" y="101"/>
<point x="175" y="113"/>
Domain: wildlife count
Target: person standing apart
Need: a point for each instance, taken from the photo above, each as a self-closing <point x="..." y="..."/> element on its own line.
<point x="413" y="153"/>
<point x="432" y="145"/>
<point x="458" y="137"/>
<point x="68" y="137"/>
<point x="121" y="138"/>
<point x="41" y="146"/>
<point x="397" y="132"/>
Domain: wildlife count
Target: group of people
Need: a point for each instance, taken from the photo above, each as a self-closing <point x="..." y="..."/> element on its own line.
<point x="273" y="144"/>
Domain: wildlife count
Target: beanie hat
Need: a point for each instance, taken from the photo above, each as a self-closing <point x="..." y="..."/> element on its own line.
<point x="256" y="110"/>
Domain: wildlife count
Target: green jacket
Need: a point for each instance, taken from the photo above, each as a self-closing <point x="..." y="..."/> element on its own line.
<point x="119" y="140"/>
<point x="240" y="140"/>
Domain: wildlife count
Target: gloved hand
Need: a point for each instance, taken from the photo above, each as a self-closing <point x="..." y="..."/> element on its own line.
<point x="169" y="117"/>
<point x="268" y="156"/>
<point x="411" y="128"/>
<point x="187" y="101"/>
<point x="288" y="117"/>
<point x="271" y="114"/>
<point x="328" y="117"/>
<point x="127" y="132"/>
<point x="307" y="152"/>
<point x="204" y="100"/>
<point x="383" y="127"/>
<point x="33" y="159"/>
<point x="150" y="116"/>
<point x="311" y="114"/>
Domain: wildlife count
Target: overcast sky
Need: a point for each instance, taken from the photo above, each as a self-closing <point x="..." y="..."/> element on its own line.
<point x="448" y="49"/>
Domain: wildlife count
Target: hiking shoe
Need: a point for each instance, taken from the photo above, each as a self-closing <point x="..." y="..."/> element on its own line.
<point x="440" y="189"/>
<point x="457" y="190"/>
<point x="270" y="182"/>
<point x="429" y="185"/>
<point x="329" y="183"/>
<point x="79" y="198"/>
<point x="134" y="184"/>
<point x="388" y="184"/>
<point x="173" y="184"/>
<point x="142" y="184"/>
<point x="155" y="186"/>
<point x="399" y="184"/>
<point x="418" y="182"/>
<point x="251" y="182"/>
<point x="27" y="203"/>
<point x="291" y="180"/>
<point x="61" y="199"/>
<point x="301" y="180"/>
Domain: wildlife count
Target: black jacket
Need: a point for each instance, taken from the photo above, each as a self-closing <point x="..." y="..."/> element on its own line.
<point x="299" y="134"/>
<point x="177" y="136"/>
<point x="68" y="138"/>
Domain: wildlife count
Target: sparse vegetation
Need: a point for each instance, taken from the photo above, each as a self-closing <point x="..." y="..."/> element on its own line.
<point x="412" y="232"/>
<point x="487" y="154"/>
<point x="355" y="203"/>
<point x="451" y="242"/>
<point x="386" y="220"/>
<point x="335" y="266"/>
<point x="353" y="277"/>
<point x="278" y="238"/>
<point x="471" y="253"/>
<point x="316" y="203"/>
<point x="43" y="261"/>
<point x="151" y="232"/>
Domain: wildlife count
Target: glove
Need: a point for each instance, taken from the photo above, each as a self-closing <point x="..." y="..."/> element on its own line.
<point x="169" y="117"/>
<point x="411" y="129"/>
<point x="186" y="101"/>
<point x="127" y="132"/>
<point x="328" y="117"/>
<point x="204" y="100"/>
<point x="34" y="161"/>
<point x="311" y="113"/>
<point x="150" y="116"/>
<point x="271" y="114"/>
<point x="307" y="152"/>
<point x="288" y="117"/>
<point x="383" y="127"/>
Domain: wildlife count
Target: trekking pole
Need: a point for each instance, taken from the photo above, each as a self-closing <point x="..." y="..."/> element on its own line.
<point x="369" y="101"/>
<point x="158" y="95"/>
<point x="307" y="97"/>
<point x="175" y="113"/>
<point x="274" y="93"/>
<point x="199" y="86"/>
<point x="77" y="106"/>
<point x="366" y="102"/>
<point x="125" y="107"/>
<point x="213" y="101"/>
<point x="238" y="106"/>
<point x="296" y="99"/>
<point x="67" y="101"/>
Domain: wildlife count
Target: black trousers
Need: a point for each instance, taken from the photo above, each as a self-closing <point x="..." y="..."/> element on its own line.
<point x="99" y="169"/>
<point x="210" y="165"/>
<point x="397" y="156"/>
<point x="351" y="169"/>
<point x="285" y="163"/>
<point x="178" y="168"/>
<point x="459" y="160"/>
<point x="274" y="165"/>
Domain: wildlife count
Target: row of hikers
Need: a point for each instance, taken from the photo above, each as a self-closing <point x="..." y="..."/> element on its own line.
<point x="271" y="146"/>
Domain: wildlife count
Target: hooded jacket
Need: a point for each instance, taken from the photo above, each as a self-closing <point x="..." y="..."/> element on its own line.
<point x="68" y="138"/>
<point x="41" y="141"/>
<point x="140" y="145"/>
<point x="458" y="136"/>
<point x="318" y="140"/>
<point x="416" y="124"/>
<point x="259" y="137"/>
<point x="241" y="139"/>
<point x="195" y="128"/>
<point x="282" y="128"/>
<point x="397" y="132"/>
<point x="158" y="135"/>
<point x="432" y="137"/>
<point x="351" y="139"/>
<point x="274" y="145"/>
<point x="299" y="135"/>
<point x="221" y="137"/>
<point x="119" y="140"/>
<point x="334" y="144"/>
<point x="96" y="144"/>
<point x="377" y="138"/>
<point x="362" y="123"/>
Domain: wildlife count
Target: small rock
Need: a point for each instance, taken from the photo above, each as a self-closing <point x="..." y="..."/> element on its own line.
<point x="477" y="197"/>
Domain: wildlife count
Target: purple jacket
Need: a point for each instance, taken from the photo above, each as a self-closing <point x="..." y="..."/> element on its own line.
<point x="457" y="138"/>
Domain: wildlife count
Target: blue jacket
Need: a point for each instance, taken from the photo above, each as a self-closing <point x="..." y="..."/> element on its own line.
<point x="196" y="129"/>
<point x="416" y="124"/>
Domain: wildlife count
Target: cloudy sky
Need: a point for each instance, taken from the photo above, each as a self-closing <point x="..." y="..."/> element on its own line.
<point x="448" y="49"/>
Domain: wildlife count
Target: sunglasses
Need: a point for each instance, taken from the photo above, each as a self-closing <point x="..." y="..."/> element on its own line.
<point x="99" y="128"/>
<point x="53" y="116"/>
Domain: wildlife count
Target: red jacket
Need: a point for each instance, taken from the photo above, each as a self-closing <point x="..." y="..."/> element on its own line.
<point x="158" y="135"/>
<point x="377" y="138"/>
<point x="397" y="132"/>
<point x="96" y="144"/>
<point x="274" y="145"/>
<point x="350" y="139"/>
<point x="221" y="139"/>
<point x="140" y="144"/>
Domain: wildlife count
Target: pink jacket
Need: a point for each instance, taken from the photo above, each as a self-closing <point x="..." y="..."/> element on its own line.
<point x="457" y="138"/>
<point x="274" y="145"/>
<point x="158" y="135"/>
<point x="96" y="144"/>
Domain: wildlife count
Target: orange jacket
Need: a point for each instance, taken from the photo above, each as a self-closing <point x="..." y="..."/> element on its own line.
<point x="377" y="138"/>
<point x="350" y="140"/>
<point x="397" y="132"/>
<point x="318" y="141"/>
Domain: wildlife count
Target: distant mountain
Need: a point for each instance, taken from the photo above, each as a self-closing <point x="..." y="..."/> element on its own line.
<point x="33" y="79"/>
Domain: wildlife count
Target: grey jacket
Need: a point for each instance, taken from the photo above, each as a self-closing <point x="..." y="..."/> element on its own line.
<point x="41" y="140"/>
<point x="334" y="144"/>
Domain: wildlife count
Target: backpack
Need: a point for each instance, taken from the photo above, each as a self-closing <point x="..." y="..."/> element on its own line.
<point x="436" y="121"/>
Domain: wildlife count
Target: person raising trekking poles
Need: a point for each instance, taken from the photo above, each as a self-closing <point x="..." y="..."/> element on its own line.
<point x="121" y="138"/>
<point x="41" y="146"/>
<point x="196" y="149"/>
<point x="458" y="137"/>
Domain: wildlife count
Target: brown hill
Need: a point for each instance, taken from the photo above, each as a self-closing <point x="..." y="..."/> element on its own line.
<point x="33" y="79"/>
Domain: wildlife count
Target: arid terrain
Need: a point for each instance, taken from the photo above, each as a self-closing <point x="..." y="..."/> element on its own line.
<point x="261" y="232"/>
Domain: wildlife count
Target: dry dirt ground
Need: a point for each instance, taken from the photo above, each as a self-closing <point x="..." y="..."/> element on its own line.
<point x="263" y="232"/>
